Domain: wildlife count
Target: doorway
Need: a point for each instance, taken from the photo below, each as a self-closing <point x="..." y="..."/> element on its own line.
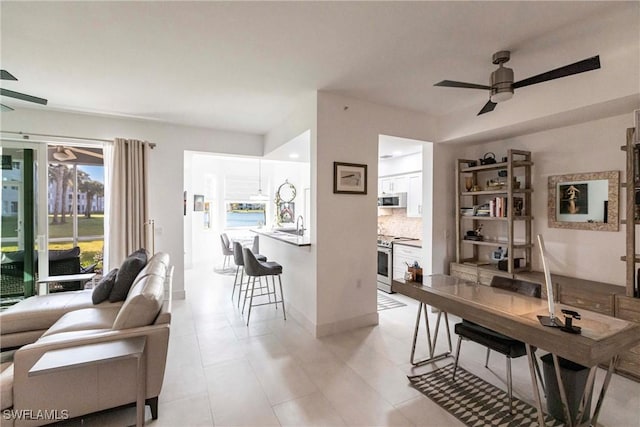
<point x="405" y="206"/>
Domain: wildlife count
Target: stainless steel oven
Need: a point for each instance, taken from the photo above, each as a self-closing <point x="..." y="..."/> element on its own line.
<point x="385" y="267"/>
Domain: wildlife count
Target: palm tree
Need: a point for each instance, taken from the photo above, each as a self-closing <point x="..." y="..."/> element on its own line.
<point x="91" y="188"/>
<point x="62" y="176"/>
<point x="57" y="173"/>
<point x="67" y="181"/>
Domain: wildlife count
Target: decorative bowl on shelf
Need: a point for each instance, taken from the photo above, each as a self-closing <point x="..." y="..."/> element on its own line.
<point x="474" y="238"/>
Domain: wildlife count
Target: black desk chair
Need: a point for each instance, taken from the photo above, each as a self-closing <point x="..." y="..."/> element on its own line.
<point x="495" y="341"/>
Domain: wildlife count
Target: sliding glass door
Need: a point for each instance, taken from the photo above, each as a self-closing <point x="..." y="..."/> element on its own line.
<point x="20" y="223"/>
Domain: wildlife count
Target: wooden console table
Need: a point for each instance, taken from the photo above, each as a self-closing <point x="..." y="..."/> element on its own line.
<point x="603" y="337"/>
<point x="94" y="354"/>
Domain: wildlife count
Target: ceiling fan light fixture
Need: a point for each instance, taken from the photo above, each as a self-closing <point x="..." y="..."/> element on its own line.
<point x="502" y="96"/>
<point x="64" y="155"/>
<point x="501" y="84"/>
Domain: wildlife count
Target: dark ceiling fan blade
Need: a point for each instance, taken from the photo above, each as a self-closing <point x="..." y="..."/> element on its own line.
<point x="488" y="107"/>
<point x="588" y="64"/>
<point x="22" y="96"/>
<point x="451" y="83"/>
<point x="5" y="75"/>
<point x="5" y="108"/>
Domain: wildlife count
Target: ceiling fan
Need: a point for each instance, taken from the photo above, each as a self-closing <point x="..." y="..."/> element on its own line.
<point x="502" y="85"/>
<point x="5" y="75"/>
<point x="66" y="154"/>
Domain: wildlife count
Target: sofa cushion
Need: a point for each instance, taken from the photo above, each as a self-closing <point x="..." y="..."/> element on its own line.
<point x="127" y="273"/>
<point x="157" y="264"/>
<point x="87" y="318"/>
<point x="6" y="385"/>
<point x="40" y="312"/>
<point x="103" y="289"/>
<point x="142" y="304"/>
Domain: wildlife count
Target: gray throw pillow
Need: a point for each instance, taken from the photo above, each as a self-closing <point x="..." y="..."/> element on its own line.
<point x="103" y="289"/>
<point x="126" y="275"/>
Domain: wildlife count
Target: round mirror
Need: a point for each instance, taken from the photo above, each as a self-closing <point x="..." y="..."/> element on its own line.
<point x="286" y="192"/>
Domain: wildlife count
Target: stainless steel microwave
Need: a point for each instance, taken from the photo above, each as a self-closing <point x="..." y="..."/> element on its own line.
<point x="398" y="200"/>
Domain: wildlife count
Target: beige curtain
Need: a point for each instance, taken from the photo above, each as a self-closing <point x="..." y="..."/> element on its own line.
<point x="127" y="210"/>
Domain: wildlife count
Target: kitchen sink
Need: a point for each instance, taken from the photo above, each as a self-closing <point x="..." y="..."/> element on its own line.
<point x="291" y="231"/>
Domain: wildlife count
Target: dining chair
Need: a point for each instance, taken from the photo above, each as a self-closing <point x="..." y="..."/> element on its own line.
<point x="498" y="342"/>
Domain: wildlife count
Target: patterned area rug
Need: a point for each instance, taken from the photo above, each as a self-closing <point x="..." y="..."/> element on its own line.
<point x="385" y="303"/>
<point x="474" y="401"/>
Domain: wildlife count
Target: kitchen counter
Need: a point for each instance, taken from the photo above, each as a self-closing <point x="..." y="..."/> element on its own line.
<point x="413" y="243"/>
<point x="292" y="239"/>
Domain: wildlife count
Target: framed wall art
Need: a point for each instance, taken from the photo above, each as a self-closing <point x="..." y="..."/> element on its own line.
<point x="198" y="202"/>
<point x="349" y="178"/>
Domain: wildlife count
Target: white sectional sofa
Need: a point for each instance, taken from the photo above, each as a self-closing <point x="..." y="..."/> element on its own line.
<point x="43" y="323"/>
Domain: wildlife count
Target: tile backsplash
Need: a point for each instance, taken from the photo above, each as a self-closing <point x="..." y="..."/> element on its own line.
<point x="396" y="223"/>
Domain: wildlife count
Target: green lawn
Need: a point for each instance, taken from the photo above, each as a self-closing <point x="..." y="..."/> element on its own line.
<point x="93" y="226"/>
<point x="9" y="226"/>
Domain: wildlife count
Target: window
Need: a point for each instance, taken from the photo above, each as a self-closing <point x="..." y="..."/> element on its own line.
<point x="245" y="214"/>
<point x="78" y="182"/>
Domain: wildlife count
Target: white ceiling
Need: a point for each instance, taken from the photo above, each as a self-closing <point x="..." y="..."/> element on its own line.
<point x="393" y="146"/>
<point x="242" y="65"/>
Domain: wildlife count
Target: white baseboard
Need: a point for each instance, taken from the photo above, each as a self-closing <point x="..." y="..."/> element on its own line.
<point x="180" y="294"/>
<point x="307" y="324"/>
<point x="319" y="331"/>
<point x="370" y="319"/>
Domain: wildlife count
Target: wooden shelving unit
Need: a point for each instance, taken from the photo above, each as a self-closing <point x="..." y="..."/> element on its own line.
<point x="628" y="306"/>
<point x="631" y="186"/>
<point x="517" y="161"/>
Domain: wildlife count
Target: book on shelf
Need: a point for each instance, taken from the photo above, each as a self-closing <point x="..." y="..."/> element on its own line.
<point x="499" y="207"/>
<point x="636" y="164"/>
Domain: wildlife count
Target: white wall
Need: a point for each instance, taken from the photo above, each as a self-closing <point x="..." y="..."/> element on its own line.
<point x="400" y="165"/>
<point x="348" y="131"/>
<point x="166" y="162"/>
<point x="443" y="224"/>
<point x="589" y="147"/>
<point x="299" y="277"/>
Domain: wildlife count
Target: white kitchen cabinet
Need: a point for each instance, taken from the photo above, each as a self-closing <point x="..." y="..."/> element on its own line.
<point x="404" y="254"/>
<point x="393" y="185"/>
<point x="414" y="195"/>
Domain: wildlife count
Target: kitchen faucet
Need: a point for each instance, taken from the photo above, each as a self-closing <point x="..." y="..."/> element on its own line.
<point x="299" y="230"/>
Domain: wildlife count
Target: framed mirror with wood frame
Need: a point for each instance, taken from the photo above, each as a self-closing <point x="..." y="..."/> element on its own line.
<point x="584" y="201"/>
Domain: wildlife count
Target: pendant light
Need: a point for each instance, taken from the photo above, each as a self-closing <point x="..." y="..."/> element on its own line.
<point x="260" y="196"/>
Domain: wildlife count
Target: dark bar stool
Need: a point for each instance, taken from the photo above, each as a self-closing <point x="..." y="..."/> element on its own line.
<point x="257" y="269"/>
<point x="227" y="250"/>
<point x="239" y="261"/>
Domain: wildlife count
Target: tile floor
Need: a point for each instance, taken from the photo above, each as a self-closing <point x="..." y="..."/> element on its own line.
<point x="222" y="373"/>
